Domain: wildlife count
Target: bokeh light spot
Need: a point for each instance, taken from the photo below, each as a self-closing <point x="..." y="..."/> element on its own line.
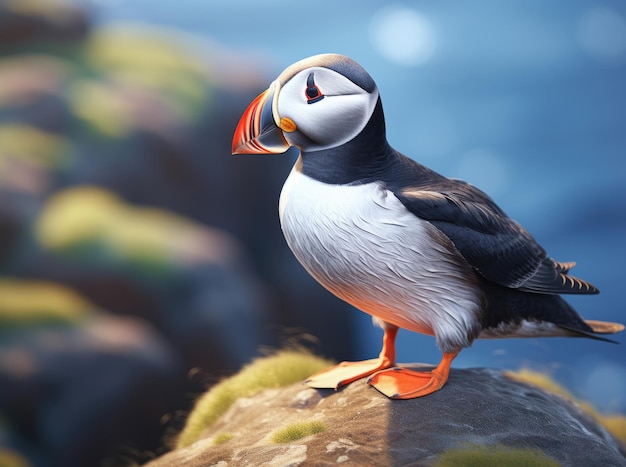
<point x="602" y="34"/>
<point x="402" y="35"/>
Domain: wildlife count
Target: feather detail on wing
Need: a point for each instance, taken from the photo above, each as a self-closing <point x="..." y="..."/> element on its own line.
<point x="550" y="277"/>
<point x="496" y="246"/>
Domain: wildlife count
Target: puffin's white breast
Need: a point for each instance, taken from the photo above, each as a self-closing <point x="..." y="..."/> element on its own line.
<point x="364" y="246"/>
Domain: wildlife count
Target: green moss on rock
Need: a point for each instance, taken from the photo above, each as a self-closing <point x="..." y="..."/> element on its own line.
<point x="30" y="302"/>
<point x="10" y="458"/>
<point x="222" y="438"/>
<point x="485" y="456"/>
<point x="613" y="423"/>
<point x="152" y="59"/>
<point x="95" y="224"/>
<point x="296" y="431"/>
<point x="282" y="369"/>
<point x="32" y="147"/>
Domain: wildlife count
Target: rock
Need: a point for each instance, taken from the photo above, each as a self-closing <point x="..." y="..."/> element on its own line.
<point x="478" y="407"/>
<point x="191" y="281"/>
<point x="26" y="22"/>
<point x="11" y="225"/>
<point x="16" y="451"/>
<point x="75" y="394"/>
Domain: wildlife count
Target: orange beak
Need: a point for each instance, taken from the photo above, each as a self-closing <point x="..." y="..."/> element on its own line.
<point x="257" y="132"/>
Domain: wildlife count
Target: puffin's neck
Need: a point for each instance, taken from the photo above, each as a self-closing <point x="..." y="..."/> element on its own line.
<point x="360" y="160"/>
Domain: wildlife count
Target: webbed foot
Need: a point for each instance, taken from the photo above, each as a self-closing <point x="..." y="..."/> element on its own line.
<point x="347" y="372"/>
<point x="401" y="383"/>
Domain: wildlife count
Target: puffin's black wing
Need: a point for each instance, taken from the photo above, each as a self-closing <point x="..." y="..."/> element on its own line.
<point x="496" y="246"/>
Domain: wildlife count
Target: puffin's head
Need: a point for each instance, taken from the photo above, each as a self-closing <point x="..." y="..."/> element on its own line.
<point x="317" y="103"/>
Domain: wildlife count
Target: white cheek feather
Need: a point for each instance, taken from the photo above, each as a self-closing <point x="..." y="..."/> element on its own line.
<point x="364" y="246"/>
<point x="350" y="115"/>
<point x="334" y="120"/>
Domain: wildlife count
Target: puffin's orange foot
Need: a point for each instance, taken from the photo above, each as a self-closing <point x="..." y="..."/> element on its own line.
<point x="346" y="372"/>
<point x="400" y="383"/>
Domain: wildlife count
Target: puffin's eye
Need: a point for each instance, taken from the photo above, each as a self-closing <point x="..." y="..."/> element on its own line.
<point x="312" y="92"/>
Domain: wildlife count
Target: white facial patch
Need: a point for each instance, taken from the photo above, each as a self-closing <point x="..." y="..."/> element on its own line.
<point x="331" y="121"/>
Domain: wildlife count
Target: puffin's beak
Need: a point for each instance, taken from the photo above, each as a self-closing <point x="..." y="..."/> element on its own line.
<point x="257" y="132"/>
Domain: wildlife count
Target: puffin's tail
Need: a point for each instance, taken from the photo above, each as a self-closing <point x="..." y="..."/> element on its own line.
<point x="597" y="327"/>
<point x="604" y="327"/>
<point x="513" y="313"/>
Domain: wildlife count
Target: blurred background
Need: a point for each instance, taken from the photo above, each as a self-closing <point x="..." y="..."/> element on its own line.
<point x="140" y="262"/>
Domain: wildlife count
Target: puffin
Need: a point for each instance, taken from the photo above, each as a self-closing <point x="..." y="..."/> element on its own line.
<point x="395" y="239"/>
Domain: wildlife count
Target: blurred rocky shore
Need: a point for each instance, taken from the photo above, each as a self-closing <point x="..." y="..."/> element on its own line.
<point x="139" y="261"/>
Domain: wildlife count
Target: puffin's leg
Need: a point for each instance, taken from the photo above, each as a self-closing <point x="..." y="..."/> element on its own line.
<point x="347" y="372"/>
<point x="400" y="383"/>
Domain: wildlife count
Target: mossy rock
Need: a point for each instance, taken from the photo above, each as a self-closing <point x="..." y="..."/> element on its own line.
<point x="222" y="438"/>
<point x="281" y="369"/>
<point x="613" y="423"/>
<point x="134" y="57"/>
<point x="296" y="431"/>
<point x="32" y="146"/>
<point x="481" y="417"/>
<point x="10" y="458"/>
<point x="485" y="456"/>
<point x="94" y="224"/>
<point x="29" y="302"/>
